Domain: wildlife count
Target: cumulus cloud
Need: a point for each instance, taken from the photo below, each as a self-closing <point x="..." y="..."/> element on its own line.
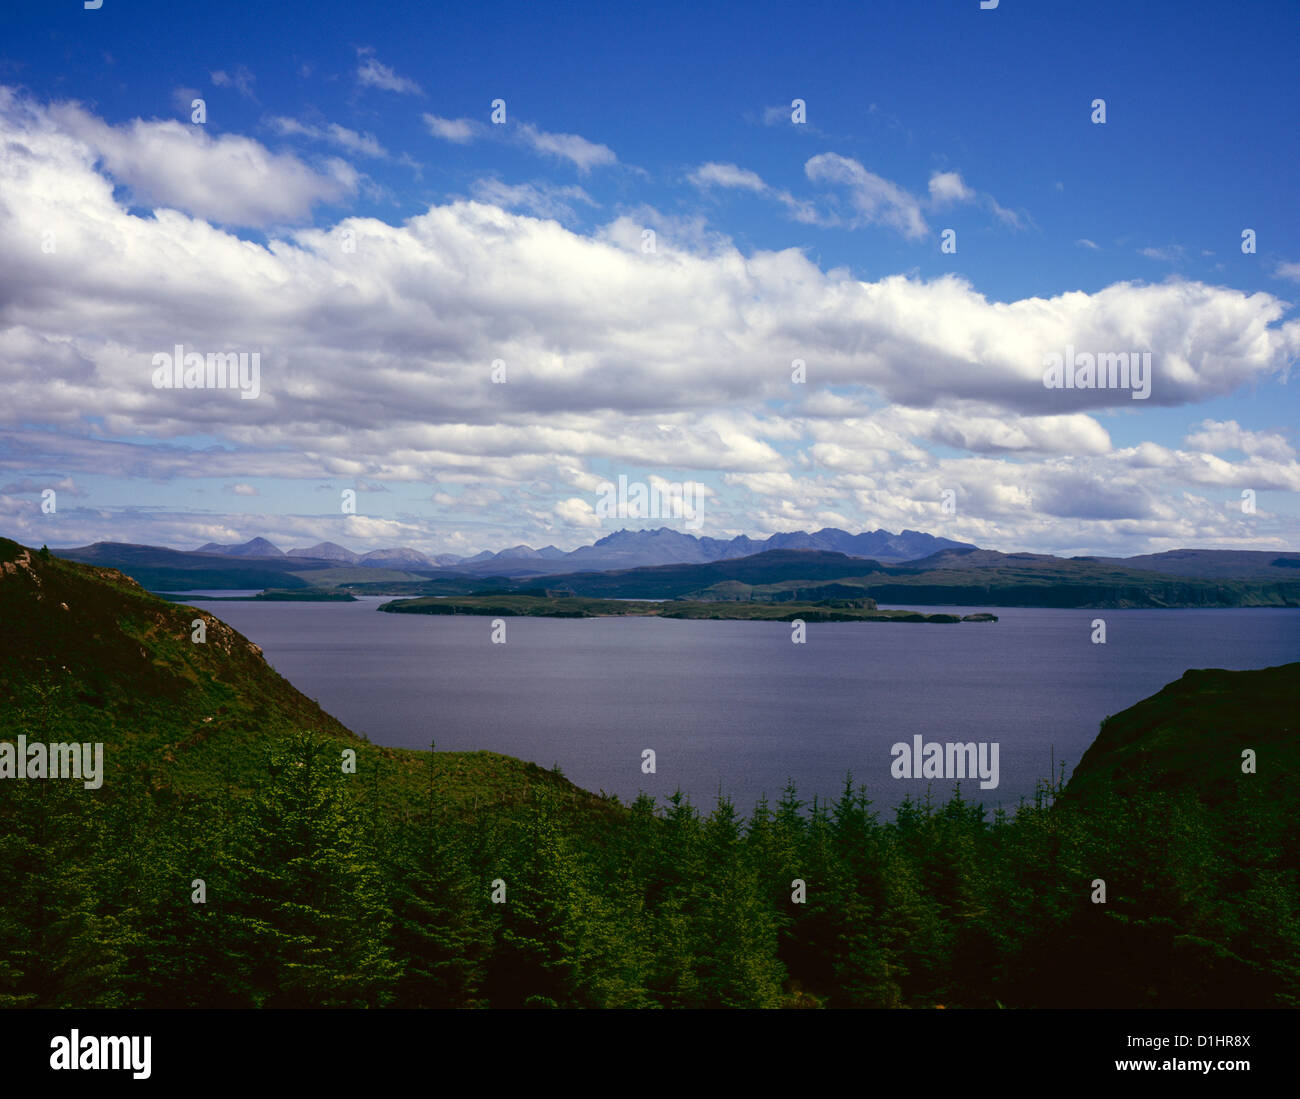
<point x="377" y="365"/>
<point x="1217" y="437"/>
<point x="577" y="512"/>
<point x="229" y="179"/>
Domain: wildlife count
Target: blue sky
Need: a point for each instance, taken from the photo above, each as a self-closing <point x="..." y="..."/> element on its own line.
<point x="134" y="228"/>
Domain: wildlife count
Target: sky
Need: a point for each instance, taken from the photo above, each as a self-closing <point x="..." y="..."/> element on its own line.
<point x="820" y="265"/>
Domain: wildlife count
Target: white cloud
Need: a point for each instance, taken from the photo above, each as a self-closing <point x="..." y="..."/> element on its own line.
<point x="357" y="143"/>
<point x="731" y="177"/>
<point x="580" y="152"/>
<point x="230" y="179"/>
<point x="876" y="200"/>
<point x="1288" y="271"/>
<point x="947" y="188"/>
<point x="372" y="73"/>
<point x="1219" y="436"/>
<point x="577" y="512"/>
<point x="459" y="130"/>
<point x="715" y="174"/>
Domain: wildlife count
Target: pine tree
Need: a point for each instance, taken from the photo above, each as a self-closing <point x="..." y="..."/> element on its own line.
<point x="301" y="896"/>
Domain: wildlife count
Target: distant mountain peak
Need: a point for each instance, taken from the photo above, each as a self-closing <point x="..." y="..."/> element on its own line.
<point x="402" y="557"/>
<point x="256" y="547"/>
<point x="327" y="551"/>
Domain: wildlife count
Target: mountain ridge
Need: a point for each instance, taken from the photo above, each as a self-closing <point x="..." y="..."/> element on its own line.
<point x="623" y="548"/>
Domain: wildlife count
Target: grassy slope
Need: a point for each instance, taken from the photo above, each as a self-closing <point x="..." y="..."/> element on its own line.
<point x="86" y="652"/>
<point x="1192" y="733"/>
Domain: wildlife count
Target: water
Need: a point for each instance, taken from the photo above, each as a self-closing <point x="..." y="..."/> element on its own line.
<point x="736" y="705"/>
<point x="213" y="593"/>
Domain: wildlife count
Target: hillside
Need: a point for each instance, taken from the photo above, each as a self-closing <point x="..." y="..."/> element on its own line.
<point x="86" y="651"/>
<point x="1192" y="733"/>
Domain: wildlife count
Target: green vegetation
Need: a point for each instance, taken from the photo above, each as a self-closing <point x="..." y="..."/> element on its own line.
<point x="304" y="595"/>
<point x="275" y="595"/>
<point x="328" y="888"/>
<point x="534" y="605"/>
<point x="1165" y="741"/>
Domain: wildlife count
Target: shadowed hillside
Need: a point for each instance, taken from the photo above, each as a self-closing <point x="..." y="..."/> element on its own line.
<point x="1191" y="735"/>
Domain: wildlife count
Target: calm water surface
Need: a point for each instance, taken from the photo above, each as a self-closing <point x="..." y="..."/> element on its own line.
<point x="736" y="705"/>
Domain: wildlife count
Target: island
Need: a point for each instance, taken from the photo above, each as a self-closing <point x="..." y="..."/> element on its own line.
<point x="545" y="604"/>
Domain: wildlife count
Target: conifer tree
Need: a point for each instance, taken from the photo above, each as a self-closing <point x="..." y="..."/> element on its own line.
<point x="301" y="897"/>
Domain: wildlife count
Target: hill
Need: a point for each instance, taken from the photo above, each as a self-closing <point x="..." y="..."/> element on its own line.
<point x="87" y="651"/>
<point x="1192" y="733"/>
<point x="257" y="547"/>
<point x="161" y="569"/>
<point x="158" y="568"/>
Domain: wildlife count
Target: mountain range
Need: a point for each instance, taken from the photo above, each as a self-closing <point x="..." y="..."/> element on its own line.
<point x="622" y="549"/>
